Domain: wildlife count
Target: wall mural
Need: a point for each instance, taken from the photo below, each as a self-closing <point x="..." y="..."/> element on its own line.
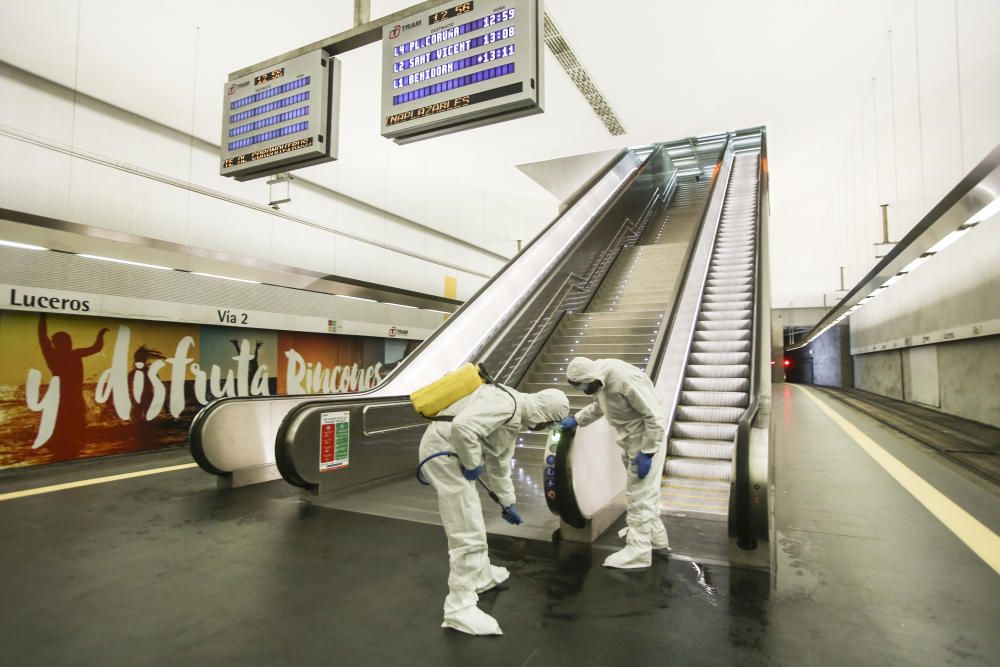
<point x="75" y="387"/>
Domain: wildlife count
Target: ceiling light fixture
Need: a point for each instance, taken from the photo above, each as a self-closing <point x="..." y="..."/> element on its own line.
<point x="213" y="275"/>
<point x="22" y="246"/>
<point x="355" y="298"/>
<point x="986" y="212"/>
<point x="125" y="261"/>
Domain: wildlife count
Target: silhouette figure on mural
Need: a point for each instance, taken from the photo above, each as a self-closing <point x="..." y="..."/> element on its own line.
<point x="66" y="363"/>
<point x="254" y="363"/>
<point x="144" y="430"/>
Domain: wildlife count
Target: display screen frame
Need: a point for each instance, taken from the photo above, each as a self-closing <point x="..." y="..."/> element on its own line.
<point x="439" y="68"/>
<point x="281" y="117"/>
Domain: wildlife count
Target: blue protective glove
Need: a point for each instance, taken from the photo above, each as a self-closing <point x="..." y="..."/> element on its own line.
<point x="642" y="462"/>
<point x="473" y="474"/>
<point x="569" y="423"/>
<point x="510" y="515"/>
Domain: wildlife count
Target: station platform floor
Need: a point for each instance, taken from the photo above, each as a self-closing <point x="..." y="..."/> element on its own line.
<point x="885" y="553"/>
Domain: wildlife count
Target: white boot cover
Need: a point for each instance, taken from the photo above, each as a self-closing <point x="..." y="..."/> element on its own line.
<point x="472" y="621"/>
<point x="498" y="575"/>
<point x="629" y="558"/>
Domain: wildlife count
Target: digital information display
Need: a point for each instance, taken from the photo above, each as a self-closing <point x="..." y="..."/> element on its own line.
<point x="281" y="118"/>
<point x="459" y="66"/>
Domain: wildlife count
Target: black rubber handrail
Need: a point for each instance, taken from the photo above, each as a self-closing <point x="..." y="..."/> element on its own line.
<point x="740" y="524"/>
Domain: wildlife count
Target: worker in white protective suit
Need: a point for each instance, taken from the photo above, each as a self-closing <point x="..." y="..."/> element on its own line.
<point x="624" y="395"/>
<point x="485" y="425"/>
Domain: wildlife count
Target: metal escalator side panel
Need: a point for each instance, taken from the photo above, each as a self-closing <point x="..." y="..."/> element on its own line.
<point x="377" y="448"/>
<point x="484" y="330"/>
<point x="237" y="433"/>
<point x="240" y="433"/>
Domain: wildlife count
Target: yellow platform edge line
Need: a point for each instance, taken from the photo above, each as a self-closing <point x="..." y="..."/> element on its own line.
<point x="90" y="482"/>
<point x="983" y="541"/>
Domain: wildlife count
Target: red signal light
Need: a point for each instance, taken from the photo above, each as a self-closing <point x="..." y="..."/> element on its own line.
<point x="788" y="362"/>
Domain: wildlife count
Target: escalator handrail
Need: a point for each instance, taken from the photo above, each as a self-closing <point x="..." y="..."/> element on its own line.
<point x="739" y="499"/>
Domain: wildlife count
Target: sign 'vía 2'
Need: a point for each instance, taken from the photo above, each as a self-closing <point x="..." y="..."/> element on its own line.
<point x="461" y="65"/>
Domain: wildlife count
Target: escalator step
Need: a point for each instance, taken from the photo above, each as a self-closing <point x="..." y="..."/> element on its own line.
<point x="698" y="468"/>
<point x="720" y="346"/>
<point x="730" y="399"/>
<point x="722" y="335"/>
<point x="709" y="414"/>
<point x="700" y="449"/>
<point x="719" y="371"/>
<point x="703" y="430"/>
<point x="723" y="358"/>
<point x="720" y="384"/>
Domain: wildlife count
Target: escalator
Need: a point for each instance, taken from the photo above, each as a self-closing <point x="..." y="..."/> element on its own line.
<point x="609" y="278"/>
<point x="716" y="386"/>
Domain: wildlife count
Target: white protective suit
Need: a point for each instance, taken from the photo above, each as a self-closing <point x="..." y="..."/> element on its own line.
<point x="628" y="401"/>
<point x="486" y="424"/>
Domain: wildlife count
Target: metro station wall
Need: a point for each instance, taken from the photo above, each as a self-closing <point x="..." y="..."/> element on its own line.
<point x="960" y="378"/>
<point x="929" y="112"/>
<point x="75" y="387"/>
<point x="147" y="103"/>
<point x="952" y="296"/>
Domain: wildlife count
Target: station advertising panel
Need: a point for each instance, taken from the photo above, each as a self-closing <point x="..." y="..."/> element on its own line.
<point x="281" y="118"/>
<point x="461" y="65"/>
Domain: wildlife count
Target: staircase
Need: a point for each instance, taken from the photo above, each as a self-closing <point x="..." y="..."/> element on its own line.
<point x="627" y="311"/>
<point x="715" y="391"/>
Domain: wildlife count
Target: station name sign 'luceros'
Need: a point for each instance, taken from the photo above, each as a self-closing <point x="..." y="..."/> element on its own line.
<point x="459" y="66"/>
<point x="281" y="118"/>
<point x="19" y="297"/>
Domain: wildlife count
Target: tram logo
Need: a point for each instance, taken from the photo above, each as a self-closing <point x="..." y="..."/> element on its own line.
<point x="394" y="33"/>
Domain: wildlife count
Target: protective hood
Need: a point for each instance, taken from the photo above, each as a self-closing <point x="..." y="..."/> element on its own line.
<point x="583" y="371"/>
<point x="548" y="405"/>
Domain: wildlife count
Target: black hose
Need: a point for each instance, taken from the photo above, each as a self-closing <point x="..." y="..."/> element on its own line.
<point x="488" y="490"/>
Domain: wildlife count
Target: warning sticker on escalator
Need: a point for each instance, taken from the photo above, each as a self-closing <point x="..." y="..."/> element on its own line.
<point x="334" y="440"/>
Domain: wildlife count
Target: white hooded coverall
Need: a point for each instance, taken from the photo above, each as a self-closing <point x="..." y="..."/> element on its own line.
<point x="628" y="401"/>
<point x="486" y="423"/>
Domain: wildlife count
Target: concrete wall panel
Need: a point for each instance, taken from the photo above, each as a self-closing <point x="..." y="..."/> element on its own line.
<point x="880" y="373"/>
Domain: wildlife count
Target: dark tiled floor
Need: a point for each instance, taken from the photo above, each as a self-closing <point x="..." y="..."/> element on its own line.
<point x="167" y="570"/>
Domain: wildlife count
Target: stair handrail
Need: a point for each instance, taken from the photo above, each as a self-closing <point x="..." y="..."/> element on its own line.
<point x="626" y="236"/>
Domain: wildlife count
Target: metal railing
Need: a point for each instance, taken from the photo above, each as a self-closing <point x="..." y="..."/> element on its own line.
<point x="562" y="301"/>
